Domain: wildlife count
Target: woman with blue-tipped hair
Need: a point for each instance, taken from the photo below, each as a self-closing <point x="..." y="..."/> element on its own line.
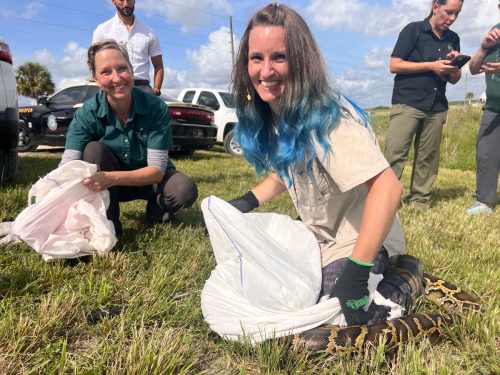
<point x="319" y="146"/>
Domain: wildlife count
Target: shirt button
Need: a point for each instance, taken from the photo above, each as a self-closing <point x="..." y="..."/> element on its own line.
<point x="435" y="88"/>
<point x="126" y="140"/>
<point x="440" y="58"/>
<point x="439" y="49"/>
<point x="126" y="155"/>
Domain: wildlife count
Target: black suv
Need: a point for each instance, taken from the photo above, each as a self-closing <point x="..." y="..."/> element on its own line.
<point x="9" y="124"/>
<point x="47" y="123"/>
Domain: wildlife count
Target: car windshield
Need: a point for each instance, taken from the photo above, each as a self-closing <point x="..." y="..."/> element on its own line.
<point x="168" y="98"/>
<point x="227" y="98"/>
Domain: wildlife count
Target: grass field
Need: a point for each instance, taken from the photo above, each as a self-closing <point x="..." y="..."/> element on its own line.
<point x="157" y="273"/>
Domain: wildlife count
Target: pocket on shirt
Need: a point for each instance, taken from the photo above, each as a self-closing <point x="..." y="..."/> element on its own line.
<point x="314" y="188"/>
<point x="142" y="136"/>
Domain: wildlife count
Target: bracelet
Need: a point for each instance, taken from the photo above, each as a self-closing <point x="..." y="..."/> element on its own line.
<point x="361" y="263"/>
<point x="485" y="48"/>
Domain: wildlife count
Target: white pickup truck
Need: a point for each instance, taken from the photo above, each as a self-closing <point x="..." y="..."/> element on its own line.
<point x="225" y="115"/>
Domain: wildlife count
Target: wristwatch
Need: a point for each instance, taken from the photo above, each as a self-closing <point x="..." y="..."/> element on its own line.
<point x="157" y="91"/>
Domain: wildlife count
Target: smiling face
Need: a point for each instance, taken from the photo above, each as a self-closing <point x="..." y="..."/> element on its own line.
<point x="444" y="15"/>
<point x="113" y="75"/>
<point x="267" y="63"/>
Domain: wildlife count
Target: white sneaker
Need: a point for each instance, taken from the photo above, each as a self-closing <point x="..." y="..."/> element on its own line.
<point x="479" y="208"/>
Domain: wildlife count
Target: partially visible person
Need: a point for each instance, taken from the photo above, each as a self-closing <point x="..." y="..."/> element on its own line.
<point x="141" y="41"/>
<point x="318" y="146"/>
<point x="127" y="133"/>
<point x="421" y="61"/>
<point x="487" y="60"/>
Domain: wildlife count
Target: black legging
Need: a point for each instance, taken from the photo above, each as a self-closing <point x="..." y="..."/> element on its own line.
<point x="165" y="200"/>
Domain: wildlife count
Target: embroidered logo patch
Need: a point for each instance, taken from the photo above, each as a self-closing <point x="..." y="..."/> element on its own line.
<point x="52" y="122"/>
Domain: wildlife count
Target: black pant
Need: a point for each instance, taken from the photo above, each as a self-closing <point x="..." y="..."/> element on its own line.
<point x="175" y="192"/>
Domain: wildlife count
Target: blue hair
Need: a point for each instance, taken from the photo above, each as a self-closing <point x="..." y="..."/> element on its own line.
<point x="277" y="147"/>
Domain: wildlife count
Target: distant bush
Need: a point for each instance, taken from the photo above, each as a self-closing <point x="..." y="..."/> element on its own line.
<point x="458" y="145"/>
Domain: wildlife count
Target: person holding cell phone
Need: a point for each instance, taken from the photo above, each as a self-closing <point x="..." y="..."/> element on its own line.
<point x="421" y="60"/>
<point x="486" y="60"/>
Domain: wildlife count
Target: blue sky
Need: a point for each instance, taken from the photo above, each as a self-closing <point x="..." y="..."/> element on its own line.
<point x="355" y="36"/>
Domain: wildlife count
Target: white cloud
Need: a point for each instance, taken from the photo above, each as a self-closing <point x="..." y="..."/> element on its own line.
<point x="375" y="20"/>
<point x="65" y="71"/>
<point x="189" y="13"/>
<point x="377" y="58"/>
<point x="212" y="65"/>
<point x="30" y="11"/>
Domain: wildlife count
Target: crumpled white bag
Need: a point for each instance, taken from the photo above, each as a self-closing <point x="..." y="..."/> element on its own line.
<point x="64" y="219"/>
<point x="268" y="276"/>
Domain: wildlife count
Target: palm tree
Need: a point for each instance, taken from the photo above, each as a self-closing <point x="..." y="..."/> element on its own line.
<point x="33" y="80"/>
<point x="469" y="96"/>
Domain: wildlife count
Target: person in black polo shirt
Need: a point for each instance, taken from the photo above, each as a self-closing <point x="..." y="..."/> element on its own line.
<point x="421" y="61"/>
<point x="126" y="133"/>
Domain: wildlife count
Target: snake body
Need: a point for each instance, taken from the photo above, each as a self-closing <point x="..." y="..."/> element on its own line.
<point x="449" y="298"/>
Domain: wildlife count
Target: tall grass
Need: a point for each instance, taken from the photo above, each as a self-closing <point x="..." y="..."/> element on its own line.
<point x="156" y="273"/>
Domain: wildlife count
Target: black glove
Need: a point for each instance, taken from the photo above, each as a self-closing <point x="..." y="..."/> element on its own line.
<point x="351" y="289"/>
<point x="245" y="203"/>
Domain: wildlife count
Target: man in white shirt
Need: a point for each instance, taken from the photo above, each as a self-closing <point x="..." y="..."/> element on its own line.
<point x="141" y="41"/>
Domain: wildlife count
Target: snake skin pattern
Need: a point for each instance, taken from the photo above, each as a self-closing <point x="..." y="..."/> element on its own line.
<point x="449" y="298"/>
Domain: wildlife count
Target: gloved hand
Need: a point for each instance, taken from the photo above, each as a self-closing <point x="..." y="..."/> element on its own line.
<point x="245" y="203"/>
<point x="351" y="289"/>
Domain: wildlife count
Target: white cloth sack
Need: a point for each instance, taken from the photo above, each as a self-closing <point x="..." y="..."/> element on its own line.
<point x="268" y="276"/>
<point x="64" y="219"/>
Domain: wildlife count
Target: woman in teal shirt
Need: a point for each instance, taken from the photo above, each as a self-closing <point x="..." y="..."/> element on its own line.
<point x="127" y="133"/>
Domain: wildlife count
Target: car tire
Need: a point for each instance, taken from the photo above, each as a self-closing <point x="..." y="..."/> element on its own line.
<point x="230" y="145"/>
<point x="8" y="164"/>
<point x="25" y="143"/>
<point x="188" y="153"/>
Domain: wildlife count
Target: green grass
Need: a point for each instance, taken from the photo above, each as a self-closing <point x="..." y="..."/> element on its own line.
<point x="43" y="306"/>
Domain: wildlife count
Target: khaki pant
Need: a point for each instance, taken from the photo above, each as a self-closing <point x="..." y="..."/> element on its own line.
<point x="424" y="128"/>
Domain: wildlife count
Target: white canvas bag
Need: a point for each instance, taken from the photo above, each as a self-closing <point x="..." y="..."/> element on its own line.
<point x="268" y="276"/>
<point x="64" y="219"/>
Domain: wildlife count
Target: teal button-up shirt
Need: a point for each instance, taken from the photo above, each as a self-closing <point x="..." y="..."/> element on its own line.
<point x="147" y="127"/>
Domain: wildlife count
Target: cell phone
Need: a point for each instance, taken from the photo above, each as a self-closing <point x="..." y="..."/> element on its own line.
<point x="460" y="60"/>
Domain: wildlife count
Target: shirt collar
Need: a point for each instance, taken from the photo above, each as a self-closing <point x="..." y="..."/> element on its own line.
<point x="426" y="26"/>
<point x="119" y="21"/>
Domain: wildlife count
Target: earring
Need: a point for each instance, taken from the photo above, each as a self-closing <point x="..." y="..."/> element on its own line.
<point x="249" y="98"/>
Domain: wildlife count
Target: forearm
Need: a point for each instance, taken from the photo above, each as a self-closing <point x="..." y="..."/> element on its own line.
<point x="476" y="61"/>
<point x="140" y="177"/>
<point x="454" y="77"/>
<point x="399" y="66"/>
<point x="380" y="208"/>
<point x="158" y="71"/>
<point x="271" y="187"/>
<point x="158" y="78"/>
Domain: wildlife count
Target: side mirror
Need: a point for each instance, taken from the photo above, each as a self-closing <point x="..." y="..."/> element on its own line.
<point x="42" y="100"/>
